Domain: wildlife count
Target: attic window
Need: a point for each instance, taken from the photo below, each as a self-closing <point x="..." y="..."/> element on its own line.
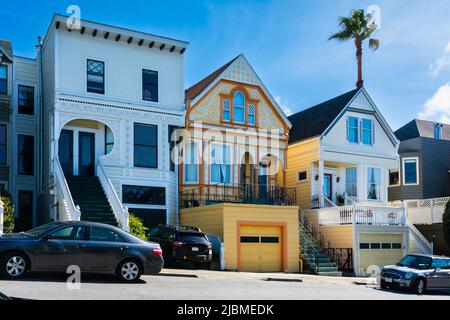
<point x="438" y="131"/>
<point x="226" y="110"/>
<point x="251" y="114"/>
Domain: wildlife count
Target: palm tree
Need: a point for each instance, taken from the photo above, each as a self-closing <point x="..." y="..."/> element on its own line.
<point x="359" y="28"/>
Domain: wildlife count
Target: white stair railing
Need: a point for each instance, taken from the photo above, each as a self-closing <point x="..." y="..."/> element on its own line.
<point x="417" y="242"/>
<point x="120" y="212"/>
<point x="71" y="211"/>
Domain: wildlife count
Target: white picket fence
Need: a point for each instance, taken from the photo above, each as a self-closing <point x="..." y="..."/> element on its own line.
<point x="362" y="215"/>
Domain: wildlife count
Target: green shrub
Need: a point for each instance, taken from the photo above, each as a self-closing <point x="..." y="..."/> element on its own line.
<point x="446" y="222"/>
<point x="137" y="227"/>
<point x="8" y="213"/>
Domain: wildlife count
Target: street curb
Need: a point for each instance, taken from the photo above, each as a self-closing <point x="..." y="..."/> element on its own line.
<point x="283" y="280"/>
<point x="177" y="275"/>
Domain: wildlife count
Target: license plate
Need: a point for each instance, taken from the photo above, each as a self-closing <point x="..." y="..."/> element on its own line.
<point x="195" y="249"/>
<point x="388" y="280"/>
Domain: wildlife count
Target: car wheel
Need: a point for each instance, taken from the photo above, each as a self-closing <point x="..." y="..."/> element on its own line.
<point x="419" y="286"/>
<point x="129" y="271"/>
<point x="14" y="265"/>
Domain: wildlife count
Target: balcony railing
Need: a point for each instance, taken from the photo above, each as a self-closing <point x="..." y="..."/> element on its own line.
<point x="245" y="194"/>
<point x="362" y="215"/>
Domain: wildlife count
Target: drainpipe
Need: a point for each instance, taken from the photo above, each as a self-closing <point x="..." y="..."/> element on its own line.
<point x="40" y="117"/>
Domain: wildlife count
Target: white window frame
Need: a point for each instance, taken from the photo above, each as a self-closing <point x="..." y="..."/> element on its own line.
<point x="221" y="146"/>
<point x="356" y="182"/>
<point x="417" y="171"/>
<point x="357" y="129"/>
<point x="371" y="132"/>
<point x="185" y="164"/>
<point x="380" y="195"/>
<point x="438" y="127"/>
<point x="298" y="176"/>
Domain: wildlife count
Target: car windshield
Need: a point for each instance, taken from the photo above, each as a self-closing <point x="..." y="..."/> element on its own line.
<point x="193" y="238"/>
<point x="39" y="231"/>
<point x="416" y="262"/>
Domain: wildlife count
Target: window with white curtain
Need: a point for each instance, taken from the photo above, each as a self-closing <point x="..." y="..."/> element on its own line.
<point x="351" y="182"/>
<point x="220" y="163"/>
<point x="190" y="163"/>
<point x="373" y="184"/>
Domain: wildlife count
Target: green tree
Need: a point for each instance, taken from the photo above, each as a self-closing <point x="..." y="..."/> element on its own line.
<point x="8" y="213"/>
<point x="137" y="227"/>
<point x="358" y="27"/>
<point x="446" y="222"/>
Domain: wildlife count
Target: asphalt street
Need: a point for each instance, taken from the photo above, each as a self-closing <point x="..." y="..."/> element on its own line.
<point x="177" y="285"/>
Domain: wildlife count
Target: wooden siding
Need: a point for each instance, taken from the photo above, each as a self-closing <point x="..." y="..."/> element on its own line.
<point x="339" y="236"/>
<point x="300" y="157"/>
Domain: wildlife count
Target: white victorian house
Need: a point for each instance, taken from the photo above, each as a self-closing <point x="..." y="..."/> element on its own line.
<point x="111" y="99"/>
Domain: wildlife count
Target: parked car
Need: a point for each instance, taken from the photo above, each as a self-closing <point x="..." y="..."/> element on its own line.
<point x="418" y="273"/>
<point x="218" y="257"/>
<point x="183" y="244"/>
<point x="94" y="247"/>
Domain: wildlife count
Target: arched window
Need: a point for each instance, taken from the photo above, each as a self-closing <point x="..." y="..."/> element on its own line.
<point x="239" y="107"/>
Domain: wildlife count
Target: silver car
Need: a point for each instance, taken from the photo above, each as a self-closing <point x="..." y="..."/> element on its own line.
<point x="417" y="273"/>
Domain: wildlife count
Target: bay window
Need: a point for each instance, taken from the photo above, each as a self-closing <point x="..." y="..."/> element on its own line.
<point x="3" y="79"/>
<point x="373" y="184"/>
<point x="190" y="163"/>
<point x="351" y="182"/>
<point x="220" y="164"/>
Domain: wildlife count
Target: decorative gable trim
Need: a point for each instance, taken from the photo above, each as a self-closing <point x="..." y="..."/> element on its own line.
<point x="252" y="79"/>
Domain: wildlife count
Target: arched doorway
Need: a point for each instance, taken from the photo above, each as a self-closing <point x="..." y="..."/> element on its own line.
<point x="81" y="144"/>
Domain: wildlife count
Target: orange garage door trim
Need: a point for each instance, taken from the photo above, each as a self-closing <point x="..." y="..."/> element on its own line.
<point x="259" y="236"/>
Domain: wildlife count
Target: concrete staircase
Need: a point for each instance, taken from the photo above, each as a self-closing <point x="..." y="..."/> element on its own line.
<point x="87" y="192"/>
<point x="314" y="258"/>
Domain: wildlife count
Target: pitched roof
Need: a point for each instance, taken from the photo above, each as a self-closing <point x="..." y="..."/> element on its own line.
<point x="314" y="121"/>
<point x="6" y="47"/>
<point x="421" y="128"/>
<point x="197" y="88"/>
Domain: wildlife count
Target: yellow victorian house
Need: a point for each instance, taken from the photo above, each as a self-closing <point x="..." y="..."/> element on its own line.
<point x="233" y="169"/>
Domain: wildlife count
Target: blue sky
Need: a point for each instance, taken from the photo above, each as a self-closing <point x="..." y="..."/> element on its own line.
<point x="286" y="42"/>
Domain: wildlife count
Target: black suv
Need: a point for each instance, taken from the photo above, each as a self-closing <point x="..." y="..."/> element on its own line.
<point x="183" y="244"/>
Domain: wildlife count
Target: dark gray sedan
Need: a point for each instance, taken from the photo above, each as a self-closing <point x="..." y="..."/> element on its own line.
<point x="418" y="272"/>
<point x="93" y="247"/>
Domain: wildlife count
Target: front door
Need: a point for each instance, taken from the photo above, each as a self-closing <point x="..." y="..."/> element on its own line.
<point x="65" y="151"/>
<point x="328" y="186"/>
<point x="86" y="164"/>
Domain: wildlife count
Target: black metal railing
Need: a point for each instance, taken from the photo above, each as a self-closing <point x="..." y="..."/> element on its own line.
<point x="246" y="194"/>
<point x="342" y="257"/>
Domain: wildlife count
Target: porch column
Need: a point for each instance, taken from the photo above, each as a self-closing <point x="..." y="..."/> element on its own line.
<point x="321" y="169"/>
<point x="312" y="177"/>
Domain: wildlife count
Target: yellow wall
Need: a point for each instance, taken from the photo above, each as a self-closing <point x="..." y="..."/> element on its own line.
<point x="300" y="157"/>
<point x="223" y="219"/>
<point x="340" y="236"/>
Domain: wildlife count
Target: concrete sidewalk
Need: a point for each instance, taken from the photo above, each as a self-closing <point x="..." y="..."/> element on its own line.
<point x="248" y="276"/>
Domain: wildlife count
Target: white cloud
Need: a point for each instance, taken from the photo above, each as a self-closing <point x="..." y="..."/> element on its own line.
<point x="283" y="103"/>
<point x="437" y="108"/>
<point x="440" y="63"/>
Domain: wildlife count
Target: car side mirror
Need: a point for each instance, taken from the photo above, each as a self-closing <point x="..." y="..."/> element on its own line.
<point x="48" y="237"/>
<point x="437" y="269"/>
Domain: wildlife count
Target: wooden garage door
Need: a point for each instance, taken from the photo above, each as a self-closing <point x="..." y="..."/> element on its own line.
<point x="380" y="250"/>
<point x="260" y="249"/>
